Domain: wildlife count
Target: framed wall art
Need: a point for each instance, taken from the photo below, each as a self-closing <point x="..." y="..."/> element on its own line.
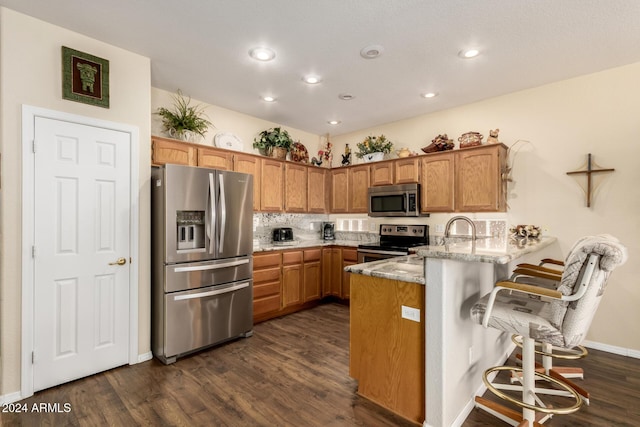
<point x="85" y="78"/>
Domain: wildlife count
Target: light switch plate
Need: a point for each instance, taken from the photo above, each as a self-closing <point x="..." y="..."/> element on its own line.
<point x="411" y="313"/>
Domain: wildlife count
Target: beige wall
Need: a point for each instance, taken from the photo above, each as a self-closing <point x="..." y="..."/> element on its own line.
<point x="243" y="126"/>
<point x="30" y="54"/>
<point x="562" y="122"/>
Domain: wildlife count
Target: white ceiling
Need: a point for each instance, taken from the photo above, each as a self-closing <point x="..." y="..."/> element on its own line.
<point x="201" y="47"/>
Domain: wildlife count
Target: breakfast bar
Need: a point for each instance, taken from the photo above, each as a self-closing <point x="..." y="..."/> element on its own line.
<point x="454" y="274"/>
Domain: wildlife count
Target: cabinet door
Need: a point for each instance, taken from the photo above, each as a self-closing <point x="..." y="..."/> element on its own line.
<point x="358" y="189"/>
<point x="407" y="171"/>
<point x="251" y="165"/>
<point x="292" y="278"/>
<point x="169" y="151"/>
<point x="478" y="179"/>
<point x="382" y="173"/>
<point x="437" y="184"/>
<point x="271" y="190"/>
<point x="215" y="159"/>
<point x="349" y="257"/>
<point x="295" y="188"/>
<point x="339" y="190"/>
<point x="331" y="273"/>
<point x="317" y="190"/>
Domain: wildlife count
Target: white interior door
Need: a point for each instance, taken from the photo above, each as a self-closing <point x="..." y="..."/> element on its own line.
<point x="81" y="230"/>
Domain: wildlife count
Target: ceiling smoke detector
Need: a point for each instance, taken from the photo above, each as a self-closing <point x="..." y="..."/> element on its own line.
<point x="371" y="52"/>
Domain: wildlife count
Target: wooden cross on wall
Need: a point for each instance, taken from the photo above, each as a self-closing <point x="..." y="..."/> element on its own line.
<point x="589" y="171"/>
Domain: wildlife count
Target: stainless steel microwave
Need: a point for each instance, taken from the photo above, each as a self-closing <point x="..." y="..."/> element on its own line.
<point x="395" y="200"/>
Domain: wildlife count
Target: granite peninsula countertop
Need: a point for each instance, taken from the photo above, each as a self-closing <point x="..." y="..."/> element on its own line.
<point x="302" y="244"/>
<point x="411" y="268"/>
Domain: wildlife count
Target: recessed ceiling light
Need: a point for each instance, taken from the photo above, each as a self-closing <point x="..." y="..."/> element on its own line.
<point x="262" y="54"/>
<point x="334" y="122"/>
<point x="268" y="99"/>
<point x="346" y="96"/>
<point x="429" y="95"/>
<point x="371" y="52"/>
<point x="311" y="79"/>
<point x="468" y="53"/>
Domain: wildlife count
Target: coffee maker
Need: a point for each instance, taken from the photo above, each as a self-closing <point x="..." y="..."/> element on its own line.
<point x="328" y="230"/>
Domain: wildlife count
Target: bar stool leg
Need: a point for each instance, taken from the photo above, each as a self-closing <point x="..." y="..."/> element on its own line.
<point x="528" y="380"/>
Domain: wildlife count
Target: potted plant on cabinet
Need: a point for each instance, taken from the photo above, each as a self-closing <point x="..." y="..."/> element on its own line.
<point x="185" y="120"/>
<point x="374" y="148"/>
<point x="273" y="142"/>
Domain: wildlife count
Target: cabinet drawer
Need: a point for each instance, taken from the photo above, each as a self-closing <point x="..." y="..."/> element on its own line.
<point x="350" y="255"/>
<point x="265" y="276"/>
<point x="311" y="255"/>
<point x="266" y="305"/>
<point x="266" y="260"/>
<point x="292" y="258"/>
<point x="266" y="289"/>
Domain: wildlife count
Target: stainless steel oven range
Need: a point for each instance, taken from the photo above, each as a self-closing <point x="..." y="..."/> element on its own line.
<point x="395" y="241"/>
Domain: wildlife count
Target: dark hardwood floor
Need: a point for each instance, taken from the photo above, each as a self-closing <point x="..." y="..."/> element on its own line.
<point x="294" y="371"/>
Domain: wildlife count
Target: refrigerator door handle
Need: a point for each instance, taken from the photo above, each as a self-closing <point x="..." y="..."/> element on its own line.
<point x="211" y="267"/>
<point x="211" y="224"/>
<point x="212" y="293"/>
<point x="223" y="212"/>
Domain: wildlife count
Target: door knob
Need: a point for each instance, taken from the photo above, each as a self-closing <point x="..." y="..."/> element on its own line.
<point x="120" y="261"/>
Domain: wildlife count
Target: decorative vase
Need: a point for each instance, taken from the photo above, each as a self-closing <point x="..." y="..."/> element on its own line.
<point x="279" y="153"/>
<point x="373" y="157"/>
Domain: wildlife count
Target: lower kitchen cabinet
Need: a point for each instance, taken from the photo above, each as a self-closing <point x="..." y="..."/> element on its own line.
<point x="335" y="281"/>
<point x="292" y="278"/>
<point x="267" y="279"/>
<point x="312" y="277"/>
<point x="349" y="257"/>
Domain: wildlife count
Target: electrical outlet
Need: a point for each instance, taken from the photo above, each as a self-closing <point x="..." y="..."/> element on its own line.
<point x="439" y="228"/>
<point x="411" y="313"/>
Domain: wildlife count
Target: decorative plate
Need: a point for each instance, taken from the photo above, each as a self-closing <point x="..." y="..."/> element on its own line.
<point x="227" y="140"/>
<point x="299" y="153"/>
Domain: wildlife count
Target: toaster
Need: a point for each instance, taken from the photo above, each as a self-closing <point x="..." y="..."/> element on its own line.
<point x="282" y="234"/>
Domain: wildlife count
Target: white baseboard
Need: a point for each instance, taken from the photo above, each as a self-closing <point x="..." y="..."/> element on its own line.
<point x="10" y="398"/>
<point x="144" y="357"/>
<point x="612" y="349"/>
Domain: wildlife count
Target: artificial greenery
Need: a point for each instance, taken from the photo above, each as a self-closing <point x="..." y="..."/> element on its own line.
<point x="274" y="137"/>
<point x="374" y="144"/>
<point x="184" y="117"/>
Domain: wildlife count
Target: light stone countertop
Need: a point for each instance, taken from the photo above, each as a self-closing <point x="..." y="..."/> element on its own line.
<point x="302" y="244"/>
<point x="411" y="268"/>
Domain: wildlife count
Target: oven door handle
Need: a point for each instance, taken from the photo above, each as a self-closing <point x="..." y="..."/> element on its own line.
<point x="212" y="293"/>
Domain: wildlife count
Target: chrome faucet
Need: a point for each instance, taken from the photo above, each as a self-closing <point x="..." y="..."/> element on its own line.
<point x="447" y="228"/>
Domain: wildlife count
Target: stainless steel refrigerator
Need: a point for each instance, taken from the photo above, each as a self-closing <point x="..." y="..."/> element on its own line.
<point x="202" y="244"/>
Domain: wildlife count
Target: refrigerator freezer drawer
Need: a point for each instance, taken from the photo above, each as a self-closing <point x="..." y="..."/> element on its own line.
<point x="194" y="275"/>
<point x="207" y="316"/>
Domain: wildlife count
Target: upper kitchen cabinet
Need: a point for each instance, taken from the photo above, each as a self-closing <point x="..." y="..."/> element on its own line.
<point x="406" y="170"/>
<point x="382" y="173"/>
<point x="339" y="190"/>
<point x="437" y="183"/>
<point x="251" y="165"/>
<point x="271" y="188"/>
<point x="165" y="150"/>
<point x="295" y="187"/>
<point x="317" y="189"/>
<point x="358" y="196"/>
<point x="479" y="186"/>
<point x="215" y="158"/>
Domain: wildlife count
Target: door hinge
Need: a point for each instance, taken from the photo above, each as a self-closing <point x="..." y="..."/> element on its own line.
<point x="33" y="357"/>
<point x="33" y="146"/>
<point x="33" y="251"/>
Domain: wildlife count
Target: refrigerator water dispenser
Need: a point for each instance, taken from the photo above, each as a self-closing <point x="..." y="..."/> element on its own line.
<point x="190" y="229"/>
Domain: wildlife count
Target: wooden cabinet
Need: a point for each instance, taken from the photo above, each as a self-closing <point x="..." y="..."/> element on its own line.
<point x="267" y="278"/>
<point x="317" y="189"/>
<point x="251" y="165"/>
<point x="295" y="187"/>
<point x="340" y="190"/>
<point x="165" y="150"/>
<point x="271" y="190"/>
<point x="358" y="197"/>
<point x="292" y="278"/>
<point x="406" y="170"/>
<point x="215" y="158"/>
<point x="479" y="185"/>
<point x="382" y="173"/>
<point x="312" y="277"/>
<point x="437" y="183"/>
<point x="349" y="257"/>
